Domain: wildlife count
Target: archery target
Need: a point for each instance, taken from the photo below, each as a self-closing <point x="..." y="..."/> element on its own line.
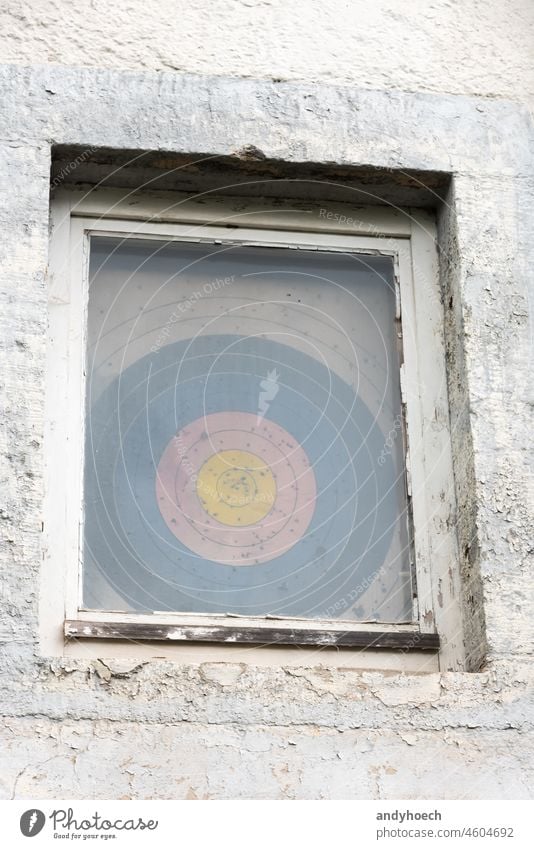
<point x="205" y="504"/>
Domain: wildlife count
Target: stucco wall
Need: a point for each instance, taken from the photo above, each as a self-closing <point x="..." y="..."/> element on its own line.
<point x="79" y="727"/>
<point x="455" y="46"/>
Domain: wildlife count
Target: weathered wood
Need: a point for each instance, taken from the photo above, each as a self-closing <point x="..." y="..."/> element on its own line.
<point x="139" y="631"/>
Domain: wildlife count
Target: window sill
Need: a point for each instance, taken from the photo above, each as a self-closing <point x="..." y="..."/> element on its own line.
<point x="359" y="639"/>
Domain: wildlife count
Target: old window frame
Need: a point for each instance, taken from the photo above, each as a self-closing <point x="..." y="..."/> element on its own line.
<point x="409" y="237"/>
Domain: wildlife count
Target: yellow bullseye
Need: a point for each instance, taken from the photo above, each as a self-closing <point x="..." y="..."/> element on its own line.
<point x="236" y="488"/>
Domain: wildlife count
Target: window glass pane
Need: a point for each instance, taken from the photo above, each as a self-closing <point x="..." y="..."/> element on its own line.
<point x="244" y="442"/>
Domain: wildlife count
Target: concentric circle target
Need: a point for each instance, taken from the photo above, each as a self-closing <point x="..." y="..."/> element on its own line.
<point x="208" y="498"/>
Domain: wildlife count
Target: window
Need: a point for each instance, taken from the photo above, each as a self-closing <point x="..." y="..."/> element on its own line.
<point x="239" y="444"/>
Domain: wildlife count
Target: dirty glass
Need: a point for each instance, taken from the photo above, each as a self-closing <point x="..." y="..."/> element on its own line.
<point x="244" y="439"/>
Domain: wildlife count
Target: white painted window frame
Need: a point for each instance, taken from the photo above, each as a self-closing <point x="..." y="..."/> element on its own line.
<point x="409" y="237"/>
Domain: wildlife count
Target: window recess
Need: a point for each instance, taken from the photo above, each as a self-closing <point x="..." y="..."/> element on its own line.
<point x="247" y="445"/>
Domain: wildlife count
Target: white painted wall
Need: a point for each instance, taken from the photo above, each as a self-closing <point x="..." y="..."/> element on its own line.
<point x="454" y="46"/>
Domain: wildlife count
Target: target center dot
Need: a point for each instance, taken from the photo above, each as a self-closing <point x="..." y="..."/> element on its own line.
<point x="236" y="488"/>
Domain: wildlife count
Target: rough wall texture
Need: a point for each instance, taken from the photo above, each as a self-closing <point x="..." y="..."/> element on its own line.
<point x="232" y="730"/>
<point x="455" y="46"/>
